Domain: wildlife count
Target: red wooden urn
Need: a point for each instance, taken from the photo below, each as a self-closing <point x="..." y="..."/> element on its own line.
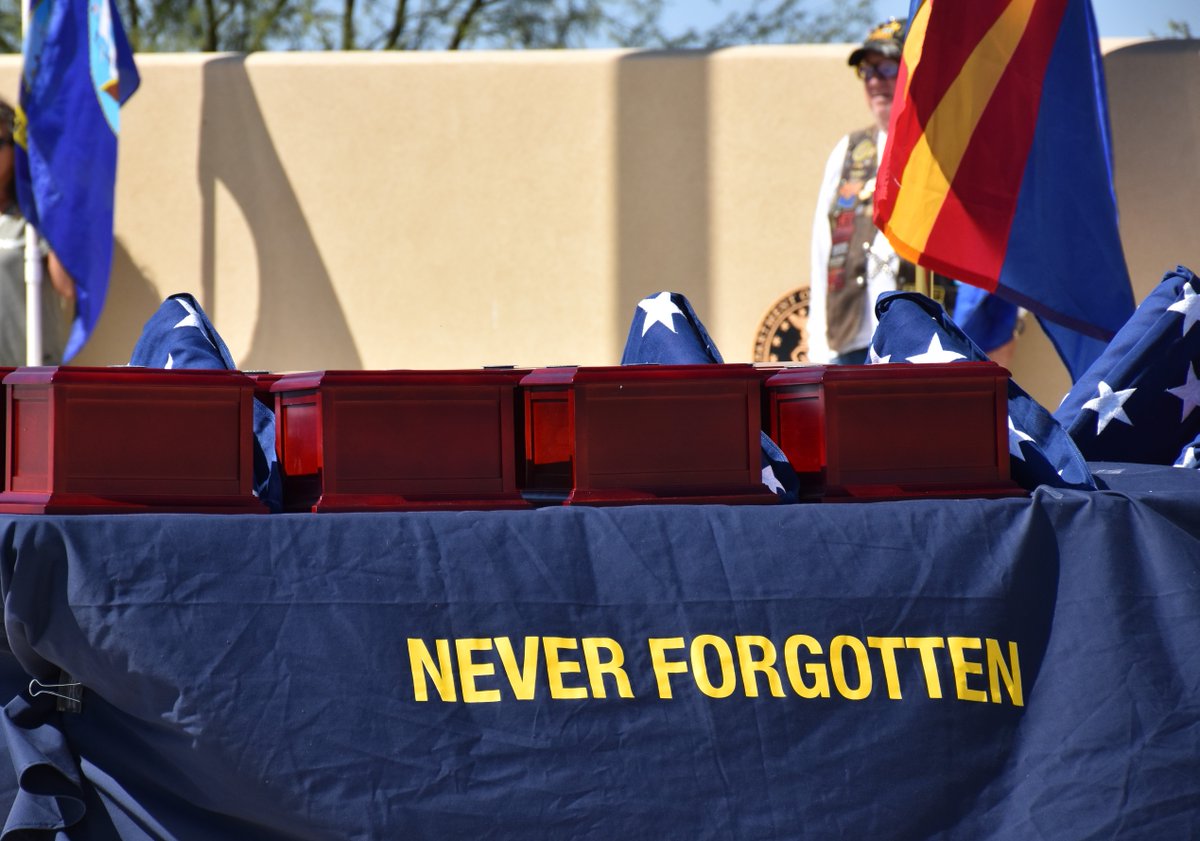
<point x="399" y="440"/>
<point x="893" y="431"/>
<point x="644" y="433"/>
<point x="84" y="440"/>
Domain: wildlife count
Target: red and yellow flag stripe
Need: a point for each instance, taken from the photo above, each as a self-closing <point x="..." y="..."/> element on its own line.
<point x="963" y="122"/>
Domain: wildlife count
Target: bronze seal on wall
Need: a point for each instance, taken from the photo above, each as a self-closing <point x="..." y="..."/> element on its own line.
<point x="783" y="334"/>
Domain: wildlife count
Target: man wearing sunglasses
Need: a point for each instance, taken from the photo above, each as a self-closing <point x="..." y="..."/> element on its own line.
<point x="852" y="262"/>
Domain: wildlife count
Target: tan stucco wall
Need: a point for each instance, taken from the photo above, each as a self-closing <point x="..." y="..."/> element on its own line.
<point x="444" y="210"/>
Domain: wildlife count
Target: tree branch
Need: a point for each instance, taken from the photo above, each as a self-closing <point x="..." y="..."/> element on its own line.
<point x="464" y="23"/>
<point x="392" y="38"/>
<point x="209" y="42"/>
<point x="348" y="24"/>
<point x="264" y="25"/>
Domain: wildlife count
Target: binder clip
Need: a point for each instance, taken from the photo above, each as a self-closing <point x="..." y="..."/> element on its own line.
<point x="68" y="694"/>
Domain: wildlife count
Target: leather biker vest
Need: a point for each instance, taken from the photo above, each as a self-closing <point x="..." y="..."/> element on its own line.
<point x="852" y="231"/>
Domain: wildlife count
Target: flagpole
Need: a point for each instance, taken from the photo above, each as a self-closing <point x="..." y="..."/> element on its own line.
<point x="33" y="261"/>
<point x="923" y="285"/>
<point x="33" y="298"/>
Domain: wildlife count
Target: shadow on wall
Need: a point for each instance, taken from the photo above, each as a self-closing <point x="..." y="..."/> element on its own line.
<point x="662" y="190"/>
<point x="1154" y="105"/>
<point x="121" y="324"/>
<point x="300" y="324"/>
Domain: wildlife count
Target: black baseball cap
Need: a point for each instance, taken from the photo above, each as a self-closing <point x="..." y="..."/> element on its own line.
<point x="886" y="39"/>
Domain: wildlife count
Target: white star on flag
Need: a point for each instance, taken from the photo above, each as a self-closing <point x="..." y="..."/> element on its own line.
<point x="1189" y="305"/>
<point x="192" y="319"/>
<point x="1015" y="437"/>
<point x="771" y="480"/>
<point x="659" y="310"/>
<point x="170" y="361"/>
<point x="1189" y="392"/>
<point x="189" y="320"/>
<point x="1188" y="459"/>
<point x="1107" y="405"/>
<point x="936" y="353"/>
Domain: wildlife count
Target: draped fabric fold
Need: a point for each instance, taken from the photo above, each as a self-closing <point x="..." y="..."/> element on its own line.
<point x="49" y="796"/>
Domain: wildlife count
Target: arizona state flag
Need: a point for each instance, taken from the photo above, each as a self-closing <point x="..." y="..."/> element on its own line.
<point x="998" y="167"/>
<point x="78" y="70"/>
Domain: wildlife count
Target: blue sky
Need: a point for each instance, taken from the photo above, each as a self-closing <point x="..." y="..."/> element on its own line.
<point x="1116" y="18"/>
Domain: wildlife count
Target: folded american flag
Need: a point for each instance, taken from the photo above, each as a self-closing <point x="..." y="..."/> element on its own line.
<point x="1140" y="401"/>
<point x="913" y="328"/>
<point x="667" y="331"/>
<point x="179" y="335"/>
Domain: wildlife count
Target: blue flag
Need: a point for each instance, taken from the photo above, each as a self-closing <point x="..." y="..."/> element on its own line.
<point x="1065" y="259"/>
<point x="179" y="335"/>
<point x="1140" y="402"/>
<point x="667" y="331"/>
<point x="78" y="70"/>
<point x="987" y="318"/>
<point x="914" y="328"/>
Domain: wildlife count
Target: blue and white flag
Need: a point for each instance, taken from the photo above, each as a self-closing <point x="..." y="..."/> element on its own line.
<point x="179" y="335"/>
<point x="1140" y="401"/>
<point x="667" y="331"/>
<point x="913" y="328"/>
<point x="78" y="70"/>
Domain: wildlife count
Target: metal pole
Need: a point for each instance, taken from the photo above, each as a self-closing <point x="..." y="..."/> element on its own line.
<point x="33" y="298"/>
<point x="33" y="261"/>
<point x="924" y="283"/>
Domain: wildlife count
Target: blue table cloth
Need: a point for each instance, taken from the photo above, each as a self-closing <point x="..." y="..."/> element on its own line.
<point x="975" y="669"/>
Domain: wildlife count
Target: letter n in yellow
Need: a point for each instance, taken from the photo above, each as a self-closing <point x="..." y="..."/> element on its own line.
<point x="442" y="672"/>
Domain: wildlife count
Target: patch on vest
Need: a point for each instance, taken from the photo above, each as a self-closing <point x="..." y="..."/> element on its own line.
<point x="863" y="152"/>
<point x="783" y="334"/>
<point x="849" y="194"/>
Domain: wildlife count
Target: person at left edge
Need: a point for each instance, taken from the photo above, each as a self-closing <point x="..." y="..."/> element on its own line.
<point x="58" y="289"/>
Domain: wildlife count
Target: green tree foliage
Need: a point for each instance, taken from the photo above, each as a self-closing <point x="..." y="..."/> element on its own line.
<point x="251" y="25"/>
<point x="10" y="26"/>
<point x="1176" y="29"/>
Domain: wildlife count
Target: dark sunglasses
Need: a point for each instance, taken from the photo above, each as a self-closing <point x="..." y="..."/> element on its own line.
<point x="883" y="70"/>
<point x="7" y="141"/>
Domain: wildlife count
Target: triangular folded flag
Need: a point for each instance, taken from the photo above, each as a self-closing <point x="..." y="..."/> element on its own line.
<point x="667" y="331"/>
<point x="179" y="335"/>
<point x="914" y="328"/>
<point x="1140" y="401"/>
